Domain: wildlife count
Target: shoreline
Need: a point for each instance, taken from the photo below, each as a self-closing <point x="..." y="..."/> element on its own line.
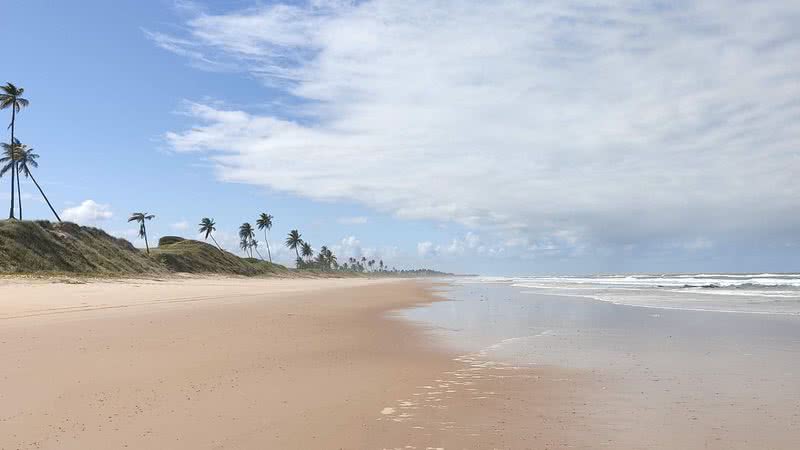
<point x="214" y="362"/>
<point x="658" y="379"/>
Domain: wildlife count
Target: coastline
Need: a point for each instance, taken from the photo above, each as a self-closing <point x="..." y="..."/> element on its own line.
<point x="213" y="362"/>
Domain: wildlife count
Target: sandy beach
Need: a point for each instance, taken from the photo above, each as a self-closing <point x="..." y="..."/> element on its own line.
<point x="243" y="363"/>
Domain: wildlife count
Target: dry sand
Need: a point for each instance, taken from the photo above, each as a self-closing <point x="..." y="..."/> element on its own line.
<point x="221" y="363"/>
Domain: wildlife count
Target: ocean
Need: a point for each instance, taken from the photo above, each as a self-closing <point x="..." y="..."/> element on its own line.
<point x="758" y="293"/>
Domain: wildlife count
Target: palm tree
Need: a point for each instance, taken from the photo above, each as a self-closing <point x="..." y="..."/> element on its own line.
<point x="254" y="246"/>
<point x="11" y="154"/>
<point x="141" y="218"/>
<point x="27" y="161"/>
<point x="11" y="97"/>
<point x="264" y="222"/>
<point x="246" y="234"/>
<point x="207" y="227"/>
<point x="322" y="258"/>
<point x="306" y="251"/>
<point x="330" y="259"/>
<point x="380" y="263"/>
<point x="293" y="241"/>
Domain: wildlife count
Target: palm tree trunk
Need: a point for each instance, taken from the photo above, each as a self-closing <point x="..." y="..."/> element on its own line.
<point x="13" y="161"/>
<point x="266" y="239"/>
<point x="45" y="198"/>
<point x="215" y="241"/>
<point x="146" y="245"/>
<point x="258" y="253"/>
<point x="19" y="196"/>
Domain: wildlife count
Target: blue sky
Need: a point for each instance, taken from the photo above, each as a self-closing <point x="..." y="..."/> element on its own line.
<point x="504" y="139"/>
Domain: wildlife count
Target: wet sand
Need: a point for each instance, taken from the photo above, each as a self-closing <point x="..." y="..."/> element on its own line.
<point x="204" y="363"/>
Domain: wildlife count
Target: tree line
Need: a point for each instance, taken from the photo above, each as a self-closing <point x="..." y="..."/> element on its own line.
<point x="324" y="260"/>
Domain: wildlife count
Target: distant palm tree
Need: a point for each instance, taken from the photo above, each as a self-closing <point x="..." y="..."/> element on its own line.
<point x="322" y="258"/>
<point x="264" y="222"/>
<point x="141" y="218"/>
<point x="380" y="263"/>
<point x="11" y="97"/>
<point x="330" y="259"/>
<point x="27" y="161"/>
<point x="254" y="246"/>
<point x="294" y="241"/>
<point x="246" y="234"/>
<point x="306" y="251"/>
<point x="207" y="227"/>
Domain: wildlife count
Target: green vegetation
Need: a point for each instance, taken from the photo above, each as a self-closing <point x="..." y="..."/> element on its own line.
<point x="42" y="246"/>
<point x="185" y="255"/>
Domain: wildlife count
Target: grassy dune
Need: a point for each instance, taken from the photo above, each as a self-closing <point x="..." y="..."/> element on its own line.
<point x="45" y="247"/>
<point x="42" y="246"/>
<point x="184" y="255"/>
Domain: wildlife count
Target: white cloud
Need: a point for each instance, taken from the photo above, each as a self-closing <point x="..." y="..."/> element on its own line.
<point x="88" y="212"/>
<point x="357" y="220"/>
<point x="180" y="226"/>
<point x="555" y="122"/>
<point x="426" y="249"/>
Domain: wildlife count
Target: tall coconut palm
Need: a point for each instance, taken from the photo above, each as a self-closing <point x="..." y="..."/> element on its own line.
<point x="207" y="226"/>
<point x="306" y="251"/>
<point x="246" y="234"/>
<point x="293" y="241"/>
<point x="26" y="162"/>
<point x="141" y="218"/>
<point x="264" y="222"/>
<point x="11" y="97"/>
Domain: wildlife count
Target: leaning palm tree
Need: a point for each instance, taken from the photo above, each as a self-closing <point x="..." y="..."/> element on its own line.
<point x="11" y="97"/>
<point x="294" y="241"/>
<point x="26" y="162"/>
<point x="306" y="251"/>
<point x="254" y="245"/>
<point x="207" y="227"/>
<point x="141" y="218"/>
<point x="264" y="222"/>
<point x="246" y="234"/>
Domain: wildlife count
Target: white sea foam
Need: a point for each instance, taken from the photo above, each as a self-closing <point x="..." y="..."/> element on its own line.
<point x="756" y="293"/>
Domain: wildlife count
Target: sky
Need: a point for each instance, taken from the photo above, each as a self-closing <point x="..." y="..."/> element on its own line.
<point x="503" y="138"/>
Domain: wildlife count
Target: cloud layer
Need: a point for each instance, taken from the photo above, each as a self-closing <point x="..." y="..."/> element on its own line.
<point x="554" y="124"/>
<point x="88" y="212"/>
